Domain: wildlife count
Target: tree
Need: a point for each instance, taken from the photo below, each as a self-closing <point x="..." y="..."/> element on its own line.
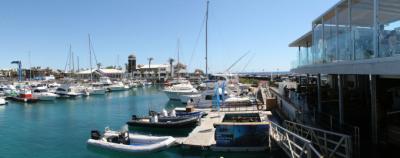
<point x="110" y="67"/>
<point x="150" y="59"/>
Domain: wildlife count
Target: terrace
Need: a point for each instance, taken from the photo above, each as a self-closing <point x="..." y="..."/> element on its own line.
<point x="353" y="37"/>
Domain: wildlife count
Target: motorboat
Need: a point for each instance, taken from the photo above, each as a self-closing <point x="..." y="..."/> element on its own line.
<point x="25" y="95"/>
<point x="3" y="101"/>
<point x="52" y="87"/>
<point x="131" y="143"/>
<point x="96" y="89"/>
<point x="207" y="99"/>
<point x="188" y="111"/>
<point x="118" y="86"/>
<point x="42" y="93"/>
<point x="66" y="90"/>
<point x="10" y="91"/>
<point x="190" y="98"/>
<point x="155" y="121"/>
<point x="175" y="91"/>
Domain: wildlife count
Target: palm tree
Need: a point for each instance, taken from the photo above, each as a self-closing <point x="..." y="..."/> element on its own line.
<point x="171" y="66"/>
<point x="150" y="59"/>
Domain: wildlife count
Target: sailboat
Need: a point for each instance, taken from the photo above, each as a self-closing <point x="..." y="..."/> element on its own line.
<point x="94" y="88"/>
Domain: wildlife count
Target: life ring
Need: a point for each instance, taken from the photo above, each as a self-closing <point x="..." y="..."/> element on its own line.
<point x="260" y="107"/>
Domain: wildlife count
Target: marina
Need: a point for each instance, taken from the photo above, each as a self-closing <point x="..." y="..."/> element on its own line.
<point x="81" y="115"/>
<point x="180" y="79"/>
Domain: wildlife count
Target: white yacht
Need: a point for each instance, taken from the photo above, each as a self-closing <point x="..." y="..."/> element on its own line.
<point x="96" y="89"/>
<point x="207" y="98"/>
<point x="118" y="86"/>
<point x="42" y="93"/>
<point x="173" y="92"/>
<point x="67" y="90"/>
<point x="110" y="86"/>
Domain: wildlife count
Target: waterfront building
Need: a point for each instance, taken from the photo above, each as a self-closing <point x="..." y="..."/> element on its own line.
<point x="158" y="72"/>
<point x="97" y="73"/>
<point x="351" y="81"/>
<point x="131" y="63"/>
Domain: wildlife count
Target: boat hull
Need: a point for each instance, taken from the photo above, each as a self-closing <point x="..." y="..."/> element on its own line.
<point x="166" y="122"/>
<point x="175" y="95"/>
<point x="139" y="144"/>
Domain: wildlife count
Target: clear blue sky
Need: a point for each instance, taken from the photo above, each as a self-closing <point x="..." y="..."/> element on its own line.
<point x="150" y="28"/>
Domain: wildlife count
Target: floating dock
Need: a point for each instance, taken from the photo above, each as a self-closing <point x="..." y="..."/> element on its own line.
<point x="203" y="136"/>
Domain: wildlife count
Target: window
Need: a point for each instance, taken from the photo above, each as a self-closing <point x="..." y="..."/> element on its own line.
<point x="362" y="28"/>
<point x="389" y="28"/>
<point x="344" y="34"/>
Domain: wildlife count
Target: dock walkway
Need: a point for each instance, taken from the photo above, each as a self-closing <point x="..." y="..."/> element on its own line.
<point x="203" y="135"/>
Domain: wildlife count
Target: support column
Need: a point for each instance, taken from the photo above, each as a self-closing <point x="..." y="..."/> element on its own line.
<point x="341" y="110"/>
<point x="319" y="92"/>
<point x="374" y="109"/>
<point x="376" y="28"/>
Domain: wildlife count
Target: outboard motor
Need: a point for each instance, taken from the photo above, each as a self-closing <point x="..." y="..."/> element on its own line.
<point x="95" y="134"/>
<point x="134" y="117"/>
<point x="124" y="138"/>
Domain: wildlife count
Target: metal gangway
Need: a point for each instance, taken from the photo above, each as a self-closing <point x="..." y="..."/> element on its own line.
<point x="328" y="143"/>
<point x="292" y="144"/>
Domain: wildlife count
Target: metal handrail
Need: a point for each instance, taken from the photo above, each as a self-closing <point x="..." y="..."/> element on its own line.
<point x="330" y="143"/>
<point x="294" y="145"/>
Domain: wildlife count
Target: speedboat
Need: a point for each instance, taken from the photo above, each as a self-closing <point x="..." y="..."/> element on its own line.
<point x="207" y="99"/>
<point x="130" y="143"/>
<point x="96" y="89"/>
<point x="155" y="121"/>
<point x="42" y="93"/>
<point x="25" y="95"/>
<point x="189" y="111"/>
<point x="110" y="86"/>
<point x="67" y="90"/>
<point x="119" y="86"/>
<point x="175" y="91"/>
<point x="3" y="101"/>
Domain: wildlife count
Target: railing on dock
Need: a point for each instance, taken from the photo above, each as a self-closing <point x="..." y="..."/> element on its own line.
<point x="330" y="122"/>
<point x="330" y="144"/>
<point x="294" y="145"/>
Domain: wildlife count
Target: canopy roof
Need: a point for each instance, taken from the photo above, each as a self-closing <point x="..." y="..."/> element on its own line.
<point x="303" y="41"/>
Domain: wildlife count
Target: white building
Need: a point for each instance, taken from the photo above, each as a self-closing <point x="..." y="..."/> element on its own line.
<point x="96" y="73"/>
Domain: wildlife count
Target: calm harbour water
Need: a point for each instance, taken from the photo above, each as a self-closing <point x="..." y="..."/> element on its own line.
<point x="61" y="128"/>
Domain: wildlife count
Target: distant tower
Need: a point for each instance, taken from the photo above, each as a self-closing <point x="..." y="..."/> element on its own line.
<point x="131" y="63"/>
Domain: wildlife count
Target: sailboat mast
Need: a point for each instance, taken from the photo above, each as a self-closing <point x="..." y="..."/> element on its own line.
<point x="70" y="57"/>
<point x="90" y="59"/>
<point x="178" y="45"/>
<point x="207" y="40"/>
